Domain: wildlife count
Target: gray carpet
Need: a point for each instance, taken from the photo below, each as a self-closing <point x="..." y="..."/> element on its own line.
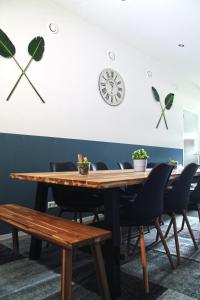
<point x="22" y="279"/>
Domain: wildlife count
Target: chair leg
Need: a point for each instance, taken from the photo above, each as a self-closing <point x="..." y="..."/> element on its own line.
<point x="189" y="228"/>
<point x="96" y="217"/>
<point x="144" y="260"/>
<point x="182" y="225"/>
<point x="136" y="244"/>
<point x="100" y="270"/>
<point x="60" y="212"/>
<point x="168" y="229"/>
<point x="161" y="220"/>
<point x="159" y="231"/>
<point x="129" y="239"/>
<point x="66" y="274"/>
<point x="80" y="217"/>
<point x="198" y="209"/>
<point x="157" y="237"/>
<point x="75" y="216"/>
<point x="15" y="240"/>
<point x="173" y="216"/>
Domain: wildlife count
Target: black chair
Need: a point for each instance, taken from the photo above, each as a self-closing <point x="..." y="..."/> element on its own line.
<point x="98" y="166"/>
<point x="176" y="201"/>
<point x="124" y="165"/>
<point x="73" y="201"/>
<point x="194" y="201"/>
<point x="152" y="165"/>
<point x="146" y="209"/>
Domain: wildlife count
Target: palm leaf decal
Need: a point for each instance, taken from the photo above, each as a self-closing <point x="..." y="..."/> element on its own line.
<point x="36" y="48"/>
<point x="7" y="49"/>
<point x="155" y="94"/>
<point x="169" y="101"/>
<point x="157" y="98"/>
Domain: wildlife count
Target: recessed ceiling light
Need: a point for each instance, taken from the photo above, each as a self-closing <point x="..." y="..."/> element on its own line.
<point x="111" y="55"/>
<point x="181" y="45"/>
<point x="53" y="27"/>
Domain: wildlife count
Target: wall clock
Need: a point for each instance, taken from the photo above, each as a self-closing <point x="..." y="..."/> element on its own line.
<point x="111" y="87"/>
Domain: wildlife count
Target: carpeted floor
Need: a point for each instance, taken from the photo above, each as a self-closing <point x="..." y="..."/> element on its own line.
<point x="22" y="279"/>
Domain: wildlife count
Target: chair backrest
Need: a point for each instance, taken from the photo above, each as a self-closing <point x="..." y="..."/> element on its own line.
<point x="179" y="196"/>
<point x="124" y="165"/>
<point x="62" y="166"/>
<point x="99" y="166"/>
<point x="195" y="194"/>
<point x="149" y="202"/>
<point x="152" y="164"/>
<point x="62" y="196"/>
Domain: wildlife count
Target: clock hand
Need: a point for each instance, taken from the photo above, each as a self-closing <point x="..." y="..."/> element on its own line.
<point x="111" y="84"/>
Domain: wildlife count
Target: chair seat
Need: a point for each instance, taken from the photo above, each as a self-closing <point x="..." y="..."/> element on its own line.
<point x="129" y="216"/>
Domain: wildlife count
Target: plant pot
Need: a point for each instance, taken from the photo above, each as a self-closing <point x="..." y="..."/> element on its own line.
<point x="83" y="169"/>
<point x="139" y="165"/>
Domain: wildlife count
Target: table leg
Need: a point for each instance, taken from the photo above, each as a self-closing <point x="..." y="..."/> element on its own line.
<point x="40" y="205"/>
<point x="112" y="247"/>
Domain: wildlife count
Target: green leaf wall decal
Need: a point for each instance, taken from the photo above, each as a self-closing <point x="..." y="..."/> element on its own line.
<point x="36" y="48"/>
<point x="168" y="104"/>
<point x="7" y="49"/>
<point x="155" y="94"/>
<point x="169" y="101"/>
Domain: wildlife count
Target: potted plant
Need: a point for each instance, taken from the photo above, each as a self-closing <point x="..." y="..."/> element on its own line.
<point x="173" y="163"/>
<point x="139" y="157"/>
<point x="83" y="166"/>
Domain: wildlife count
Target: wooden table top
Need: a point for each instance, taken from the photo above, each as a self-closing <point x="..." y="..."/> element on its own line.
<point x="95" y="179"/>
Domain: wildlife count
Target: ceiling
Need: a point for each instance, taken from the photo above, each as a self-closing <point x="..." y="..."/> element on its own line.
<point x="155" y="27"/>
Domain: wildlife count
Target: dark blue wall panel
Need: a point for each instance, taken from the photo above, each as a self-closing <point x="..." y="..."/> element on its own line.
<point x="23" y="153"/>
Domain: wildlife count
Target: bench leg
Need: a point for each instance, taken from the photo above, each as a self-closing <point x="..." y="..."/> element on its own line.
<point x="100" y="270"/>
<point x="66" y="274"/>
<point x="15" y="240"/>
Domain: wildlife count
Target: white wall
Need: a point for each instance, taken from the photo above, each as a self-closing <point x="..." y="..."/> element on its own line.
<point x="67" y="78"/>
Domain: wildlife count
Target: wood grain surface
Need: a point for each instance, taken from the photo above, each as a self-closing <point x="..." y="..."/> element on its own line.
<point x="62" y="232"/>
<point x="98" y="179"/>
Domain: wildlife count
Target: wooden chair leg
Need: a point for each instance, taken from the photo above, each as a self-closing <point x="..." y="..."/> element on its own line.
<point x="198" y="209"/>
<point x="168" y="229"/>
<point x="157" y="225"/>
<point x="100" y="270"/>
<point x="161" y="221"/>
<point x="15" y="240"/>
<point x="189" y="228"/>
<point x="173" y="216"/>
<point x="144" y="259"/>
<point x="66" y="274"/>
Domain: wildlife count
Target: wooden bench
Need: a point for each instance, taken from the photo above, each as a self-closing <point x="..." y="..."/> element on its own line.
<point x="64" y="233"/>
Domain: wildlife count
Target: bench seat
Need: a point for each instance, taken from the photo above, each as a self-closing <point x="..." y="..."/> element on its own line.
<point x="64" y="233"/>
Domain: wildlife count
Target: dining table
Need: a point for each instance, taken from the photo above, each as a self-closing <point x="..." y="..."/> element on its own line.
<point x="108" y="183"/>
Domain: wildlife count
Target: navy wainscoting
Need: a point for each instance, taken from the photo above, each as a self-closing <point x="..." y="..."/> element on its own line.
<point x="24" y="153"/>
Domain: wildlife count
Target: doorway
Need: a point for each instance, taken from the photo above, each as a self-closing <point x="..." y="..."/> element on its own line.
<point x="191" y="151"/>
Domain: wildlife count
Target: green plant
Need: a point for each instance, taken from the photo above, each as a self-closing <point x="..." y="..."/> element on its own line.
<point x="168" y="104"/>
<point x="171" y="161"/>
<point x="85" y="163"/>
<point x="35" y="49"/>
<point x="139" y="154"/>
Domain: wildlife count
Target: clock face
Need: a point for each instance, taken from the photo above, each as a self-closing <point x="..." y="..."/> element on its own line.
<point x="111" y="86"/>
